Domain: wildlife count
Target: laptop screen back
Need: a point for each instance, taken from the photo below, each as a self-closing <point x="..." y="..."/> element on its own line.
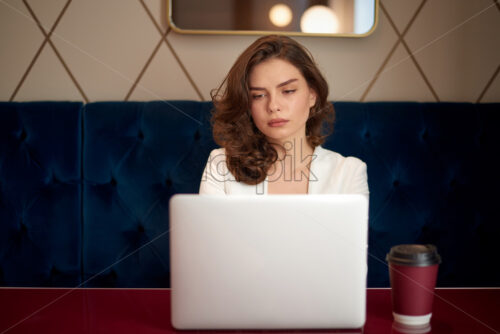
<point x="268" y="262"/>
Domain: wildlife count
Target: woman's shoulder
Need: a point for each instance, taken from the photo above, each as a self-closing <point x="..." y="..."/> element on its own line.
<point x="217" y="155"/>
<point x="218" y="151"/>
<point x="331" y="157"/>
<point x="338" y="174"/>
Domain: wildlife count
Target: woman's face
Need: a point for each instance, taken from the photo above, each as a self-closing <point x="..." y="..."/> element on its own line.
<point x="280" y="100"/>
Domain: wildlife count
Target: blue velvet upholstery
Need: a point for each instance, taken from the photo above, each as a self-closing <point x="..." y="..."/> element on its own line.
<point x="40" y="194"/>
<point x="432" y="178"/>
<point x="431" y="169"/>
<point x="136" y="156"/>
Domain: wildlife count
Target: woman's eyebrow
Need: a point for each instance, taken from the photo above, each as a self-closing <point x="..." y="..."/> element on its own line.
<point x="278" y="86"/>
<point x="286" y="83"/>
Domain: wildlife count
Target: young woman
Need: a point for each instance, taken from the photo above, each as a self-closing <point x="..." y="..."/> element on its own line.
<point x="269" y="118"/>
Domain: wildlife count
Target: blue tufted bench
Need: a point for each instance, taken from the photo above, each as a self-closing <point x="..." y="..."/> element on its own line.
<point x="40" y="194"/>
<point x="84" y="189"/>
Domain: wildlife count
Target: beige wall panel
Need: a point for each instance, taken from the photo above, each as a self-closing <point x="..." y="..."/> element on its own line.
<point x="48" y="80"/>
<point x="20" y="39"/>
<point x="106" y="44"/>
<point x="466" y="50"/>
<point x="158" y="9"/>
<point x="401" y="11"/>
<point x="349" y="64"/>
<point x="400" y="69"/>
<point x="164" y="79"/>
<point x="208" y="58"/>
<point x="493" y="92"/>
<point x="47" y="11"/>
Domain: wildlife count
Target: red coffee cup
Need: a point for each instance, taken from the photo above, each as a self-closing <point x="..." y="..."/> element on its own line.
<point x="413" y="272"/>
<point x="398" y="328"/>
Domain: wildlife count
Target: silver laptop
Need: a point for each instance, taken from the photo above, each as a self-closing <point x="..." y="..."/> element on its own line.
<point x="268" y="262"/>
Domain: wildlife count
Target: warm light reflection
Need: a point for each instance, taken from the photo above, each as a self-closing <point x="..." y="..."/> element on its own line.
<point x="280" y="15"/>
<point x="319" y="19"/>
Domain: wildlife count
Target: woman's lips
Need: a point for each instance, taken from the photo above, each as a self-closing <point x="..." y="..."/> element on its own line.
<point x="277" y="122"/>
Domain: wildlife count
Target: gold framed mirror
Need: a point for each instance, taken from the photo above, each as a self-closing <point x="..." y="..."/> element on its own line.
<point x="338" y="18"/>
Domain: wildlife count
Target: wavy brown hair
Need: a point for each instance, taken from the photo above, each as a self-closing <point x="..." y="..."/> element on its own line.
<point x="248" y="153"/>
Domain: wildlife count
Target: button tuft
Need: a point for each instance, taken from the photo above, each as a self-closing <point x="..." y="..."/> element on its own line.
<point x="54" y="271"/>
<point x="23" y="135"/>
<point x="22" y="228"/>
<point x="425" y="134"/>
<point x="54" y="179"/>
<point x="453" y="183"/>
<point x="113" y="274"/>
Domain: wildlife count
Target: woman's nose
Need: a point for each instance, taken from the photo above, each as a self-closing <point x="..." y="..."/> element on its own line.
<point x="274" y="103"/>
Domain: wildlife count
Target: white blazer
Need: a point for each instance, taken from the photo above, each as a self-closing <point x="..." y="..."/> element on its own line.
<point x="331" y="173"/>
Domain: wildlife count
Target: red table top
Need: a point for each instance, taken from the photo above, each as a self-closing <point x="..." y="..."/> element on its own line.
<point x="34" y="310"/>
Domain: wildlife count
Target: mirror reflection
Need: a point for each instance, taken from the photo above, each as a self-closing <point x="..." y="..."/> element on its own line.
<point x="293" y="17"/>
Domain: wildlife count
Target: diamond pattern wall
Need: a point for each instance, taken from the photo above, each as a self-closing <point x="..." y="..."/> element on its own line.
<point x="454" y="52"/>
<point x="402" y="11"/>
<point x="161" y="67"/>
<point x="106" y="44"/>
<point x="350" y="64"/>
<point x="90" y="50"/>
<point x="20" y="39"/>
<point x="400" y="68"/>
<point x="493" y="87"/>
<point x="37" y="87"/>
<point x="48" y="11"/>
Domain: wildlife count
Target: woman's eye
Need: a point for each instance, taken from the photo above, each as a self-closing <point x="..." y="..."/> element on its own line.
<point x="289" y="91"/>
<point x="257" y="96"/>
